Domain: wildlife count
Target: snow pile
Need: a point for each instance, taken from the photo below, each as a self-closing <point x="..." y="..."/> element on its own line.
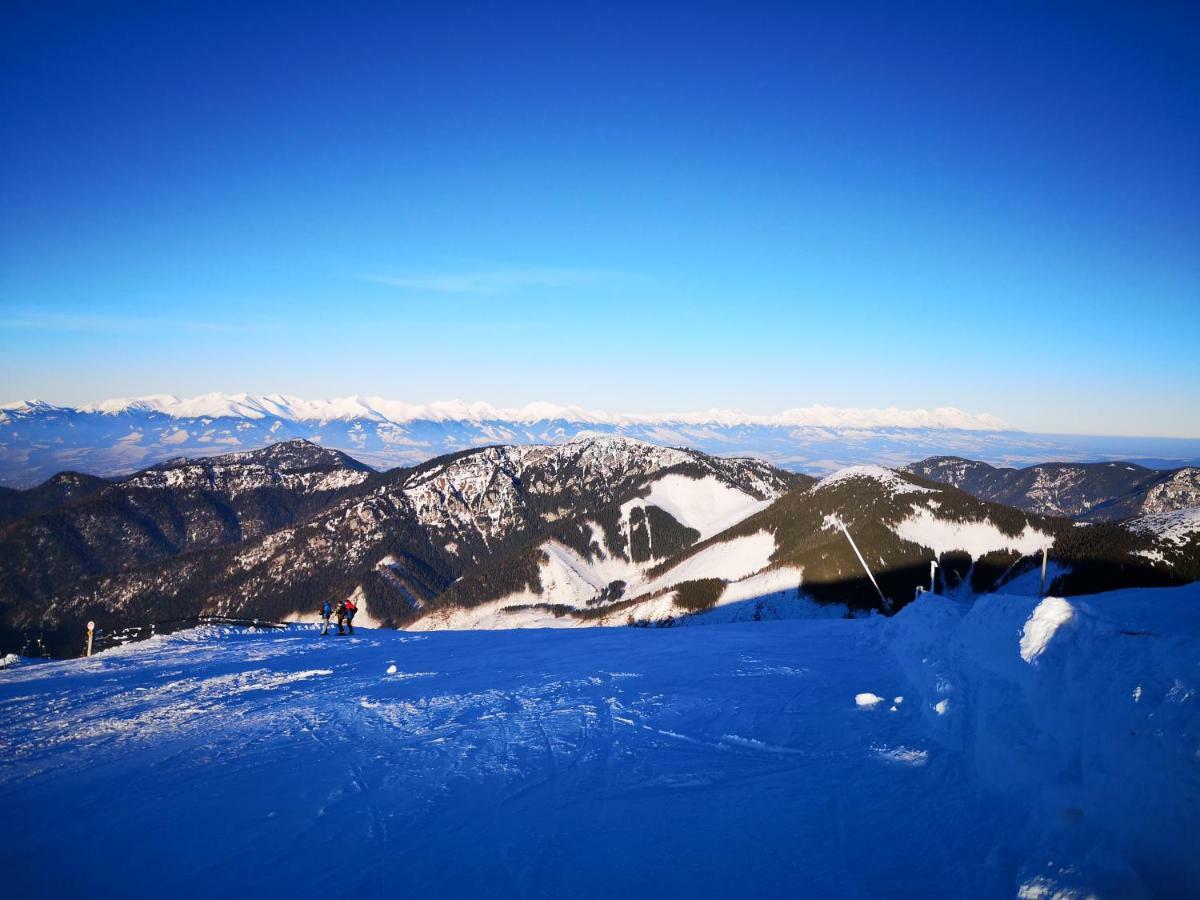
<point x="1080" y="716"/>
<point x="1049" y="616"/>
<point x="975" y="538"/>
<point x="886" y="477"/>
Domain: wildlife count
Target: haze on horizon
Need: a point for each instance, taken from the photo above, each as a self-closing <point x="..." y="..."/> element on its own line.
<point x="612" y="207"/>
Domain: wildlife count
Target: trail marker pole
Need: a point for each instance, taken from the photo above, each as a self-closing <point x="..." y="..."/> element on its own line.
<point x="91" y="631"/>
<point x="933" y="576"/>
<point x="1045" y="557"/>
<point x="882" y="599"/>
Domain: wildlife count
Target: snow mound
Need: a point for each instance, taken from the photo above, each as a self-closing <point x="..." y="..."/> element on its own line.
<point x="1049" y="616"/>
<point x="867" y="700"/>
<point x="905" y="756"/>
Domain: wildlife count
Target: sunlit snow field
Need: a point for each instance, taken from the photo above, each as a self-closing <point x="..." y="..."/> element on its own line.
<point x="729" y="760"/>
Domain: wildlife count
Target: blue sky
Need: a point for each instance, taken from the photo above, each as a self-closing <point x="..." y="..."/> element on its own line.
<point x="621" y="207"/>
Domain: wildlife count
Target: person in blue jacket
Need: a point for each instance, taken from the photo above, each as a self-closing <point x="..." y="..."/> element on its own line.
<point x="326" y="612"/>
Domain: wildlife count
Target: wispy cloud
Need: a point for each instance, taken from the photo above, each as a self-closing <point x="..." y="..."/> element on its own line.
<point x="100" y="323"/>
<point x="496" y="281"/>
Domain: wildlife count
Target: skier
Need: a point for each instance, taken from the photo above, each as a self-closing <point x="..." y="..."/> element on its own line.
<point x="351" y="609"/>
<point x="326" y="612"/>
<point x="341" y="616"/>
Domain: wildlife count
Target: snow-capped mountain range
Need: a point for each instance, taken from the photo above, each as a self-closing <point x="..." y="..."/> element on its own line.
<point x="115" y="437"/>
<point x="378" y="409"/>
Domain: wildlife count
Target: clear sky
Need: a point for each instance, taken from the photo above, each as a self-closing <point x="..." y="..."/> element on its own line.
<point x="636" y="208"/>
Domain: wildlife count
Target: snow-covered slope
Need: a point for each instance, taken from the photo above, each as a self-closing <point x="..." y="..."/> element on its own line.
<point x="1083" y="713"/>
<point x="1006" y="747"/>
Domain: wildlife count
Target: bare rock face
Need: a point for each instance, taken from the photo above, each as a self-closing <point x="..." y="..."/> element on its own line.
<point x="1179" y="491"/>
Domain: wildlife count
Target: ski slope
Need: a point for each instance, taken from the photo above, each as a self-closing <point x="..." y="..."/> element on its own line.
<point x="989" y="749"/>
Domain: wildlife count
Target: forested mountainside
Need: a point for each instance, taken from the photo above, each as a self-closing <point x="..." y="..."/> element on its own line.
<point x="1091" y="492"/>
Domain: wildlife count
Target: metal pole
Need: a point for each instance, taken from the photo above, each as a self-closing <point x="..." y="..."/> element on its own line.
<point x="91" y="632"/>
<point x="1045" y="556"/>
<point x="884" y="600"/>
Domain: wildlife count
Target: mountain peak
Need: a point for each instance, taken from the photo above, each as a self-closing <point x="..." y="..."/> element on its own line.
<point x="890" y="479"/>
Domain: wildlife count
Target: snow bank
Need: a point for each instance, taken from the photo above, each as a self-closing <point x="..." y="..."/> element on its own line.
<point x="1085" y="712"/>
<point x="976" y="538"/>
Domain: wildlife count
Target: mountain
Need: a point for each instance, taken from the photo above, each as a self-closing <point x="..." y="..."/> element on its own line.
<point x="59" y="490"/>
<point x="1090" y="492"/>
<point x="116" y="437"/>
<point x="792" y="558"/>
<point x="600" y="530"/>
<point x="397" y="539"/>
<point x="178" y="507"/>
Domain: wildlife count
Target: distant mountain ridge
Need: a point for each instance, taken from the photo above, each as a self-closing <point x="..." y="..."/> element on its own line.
<point x="283" y="406"/>
<point x="113" y="438"/>
<point x="1090" y="492"/>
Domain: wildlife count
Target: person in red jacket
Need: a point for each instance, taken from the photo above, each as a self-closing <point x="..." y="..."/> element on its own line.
<point x="351" y="608"/>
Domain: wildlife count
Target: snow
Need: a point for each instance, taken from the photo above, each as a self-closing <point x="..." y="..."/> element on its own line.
<point x="708" y="504"/>
<point x="1079" y="714"/>
<point x="570" y="579"/>
<point x="1049" y="616"/>
<point x="729" y="560"/>
<point x="218" y="405"/>
<point x="974" y="538"/>
<point x="1176" y="527"/>
<point x="753" y="592"/>
<point x="713" y="761"/>
<point x="885" y="477"/>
